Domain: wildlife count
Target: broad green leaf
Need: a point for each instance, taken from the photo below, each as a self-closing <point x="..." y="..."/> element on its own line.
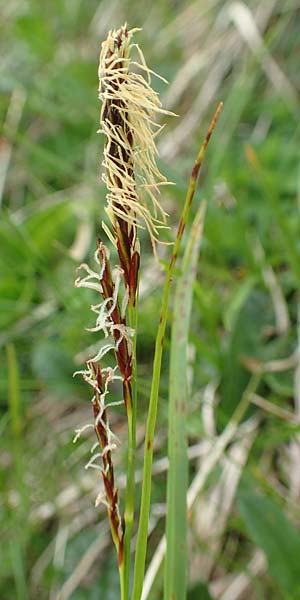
<point x="199" y="592"/>
<point x="244" y="341"/>
<point x="274" y="533"/>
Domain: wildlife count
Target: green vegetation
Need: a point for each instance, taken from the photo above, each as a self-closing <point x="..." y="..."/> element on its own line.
<point x="243" y="344"/>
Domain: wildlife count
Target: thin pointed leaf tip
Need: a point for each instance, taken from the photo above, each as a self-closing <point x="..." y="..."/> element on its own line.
<point x="129" y="109"/>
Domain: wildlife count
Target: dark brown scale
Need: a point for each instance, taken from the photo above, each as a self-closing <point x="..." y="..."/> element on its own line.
<point x="108" y="469"/>
<point x="123" y="231"/>
<point x="133" y="276"/>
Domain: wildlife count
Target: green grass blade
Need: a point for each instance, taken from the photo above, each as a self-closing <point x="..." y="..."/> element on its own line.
<point x="18" y="568"/>
<point x="141" y="545"/>
<point x="16" y="544"/>
<point x="14" y="400"/>
<point x="175" y="577"/>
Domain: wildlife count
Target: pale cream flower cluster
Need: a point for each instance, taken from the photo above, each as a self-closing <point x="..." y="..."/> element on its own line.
<point x="129" y="109"/>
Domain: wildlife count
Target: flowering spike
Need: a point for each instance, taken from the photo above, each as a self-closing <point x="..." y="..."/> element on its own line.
<point x="133" y="181"/>
<point x="129" y="107"/>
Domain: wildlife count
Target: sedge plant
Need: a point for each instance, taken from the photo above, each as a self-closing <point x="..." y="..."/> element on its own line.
<point x="128" y="121"/>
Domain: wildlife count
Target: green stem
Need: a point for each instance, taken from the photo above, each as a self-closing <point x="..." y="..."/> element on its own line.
<point x="130" y="482"/>
<point x="141" y="545"/>
<point x="122" y="580"/>
<point x="120" y="554"/>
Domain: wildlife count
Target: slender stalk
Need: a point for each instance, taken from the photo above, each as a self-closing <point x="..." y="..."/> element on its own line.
<point x="130" y="483"/>
<point x="141" y="546"/>
<point x="122" y="581"/>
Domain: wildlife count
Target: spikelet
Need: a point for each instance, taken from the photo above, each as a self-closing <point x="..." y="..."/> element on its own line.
<point x="133" y="180"/>
<point x="129" y="108"/>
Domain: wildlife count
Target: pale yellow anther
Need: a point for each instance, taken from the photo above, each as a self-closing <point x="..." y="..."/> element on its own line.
<point x="129" y="109"/>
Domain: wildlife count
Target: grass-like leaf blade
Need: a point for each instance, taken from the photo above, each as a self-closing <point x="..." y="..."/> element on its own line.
<point x="175" y="577"/>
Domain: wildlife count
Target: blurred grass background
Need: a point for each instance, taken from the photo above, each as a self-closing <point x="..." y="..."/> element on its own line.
<point x="245" y="539"/>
